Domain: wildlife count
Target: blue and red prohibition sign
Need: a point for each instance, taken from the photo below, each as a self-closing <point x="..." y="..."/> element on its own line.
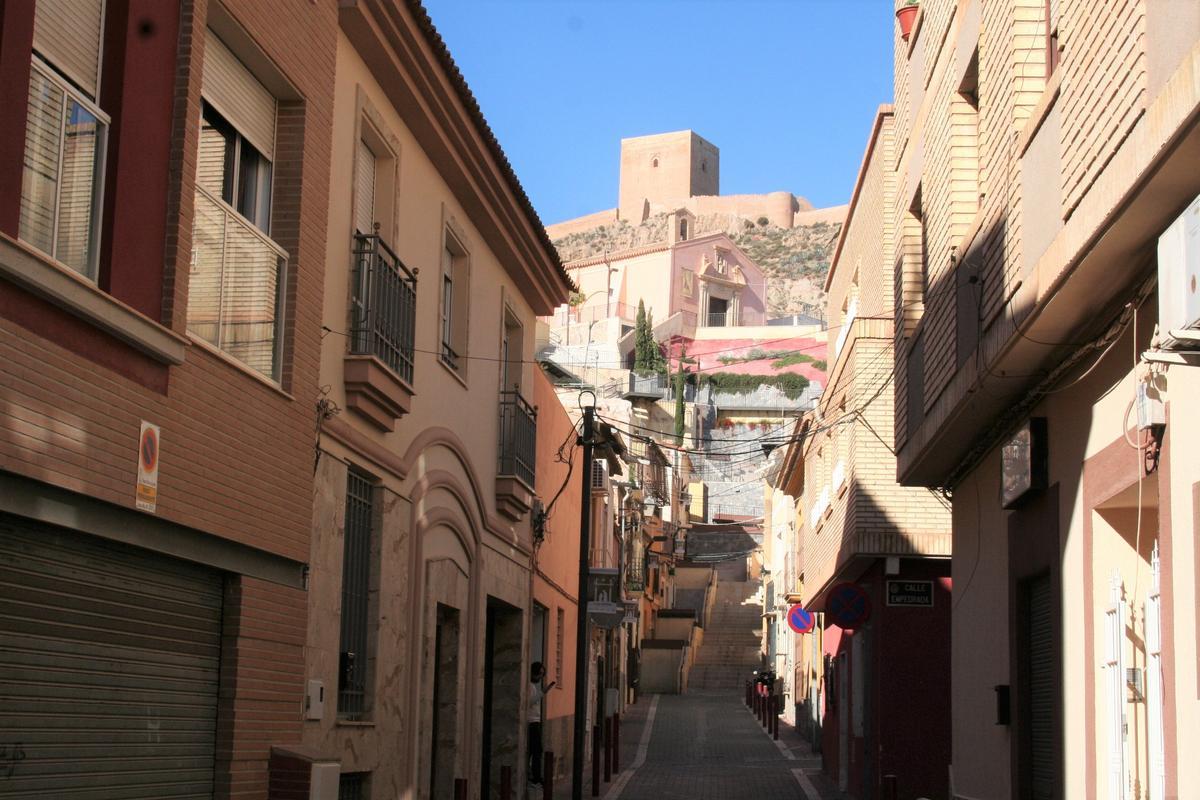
<point x="848" y="606"/>
<point x="801" y="621"/>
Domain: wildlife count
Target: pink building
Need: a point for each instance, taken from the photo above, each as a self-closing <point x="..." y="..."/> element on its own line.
<point x="700" y="282"/>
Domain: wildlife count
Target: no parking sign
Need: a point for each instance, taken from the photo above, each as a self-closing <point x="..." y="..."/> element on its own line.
<point x="848" y="605"/>
<point x="800" y="620"/>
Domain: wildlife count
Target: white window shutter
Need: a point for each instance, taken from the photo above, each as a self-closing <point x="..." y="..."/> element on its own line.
<point x="364" y="189"/>
<point x="238" y="96"/>
<point x="67" y="33"/>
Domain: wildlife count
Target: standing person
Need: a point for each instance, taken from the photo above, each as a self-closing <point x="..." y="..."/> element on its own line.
<point x="537" y="692"/>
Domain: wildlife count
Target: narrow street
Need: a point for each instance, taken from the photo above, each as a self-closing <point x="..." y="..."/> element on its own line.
<point x="706" y="744"/>
<point x="709" y="746"/>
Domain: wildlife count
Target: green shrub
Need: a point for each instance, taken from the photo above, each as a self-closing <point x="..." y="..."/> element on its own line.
<point x="790" y="384"/>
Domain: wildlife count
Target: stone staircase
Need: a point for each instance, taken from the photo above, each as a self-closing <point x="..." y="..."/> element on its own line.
<point x="732" y="641"/>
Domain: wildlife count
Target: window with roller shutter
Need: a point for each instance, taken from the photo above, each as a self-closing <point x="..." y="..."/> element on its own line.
<point x="238" y="273"/>
<point x="65" y="136"/>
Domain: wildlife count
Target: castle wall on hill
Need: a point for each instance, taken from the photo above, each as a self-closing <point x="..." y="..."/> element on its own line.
<point x="580" y="224"/>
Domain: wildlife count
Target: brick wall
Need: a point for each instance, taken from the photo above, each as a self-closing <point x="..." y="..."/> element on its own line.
<point x="235" y="451"/>
<point x="1104" y="71"/>
<point x="968" y="169"/>
<point x="262" y="682"/>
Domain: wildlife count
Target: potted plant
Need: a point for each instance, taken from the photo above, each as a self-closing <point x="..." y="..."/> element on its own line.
<point x="906" y="15"/>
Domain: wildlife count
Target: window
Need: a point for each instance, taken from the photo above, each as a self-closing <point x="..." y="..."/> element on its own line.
<point x="364" y="188"/>
<point x="456" y="276"/>
<point x="233" y="170"/>
<point x="1052" y="51"/>
<point x="559" y="628"/>
<point x="65" y="135"/>
<point x="965" y="148"/>
<point x="238" y="272"/>
<point x="358" y="563"/>
<point x="683" y="230"/>
<point x="352" y="786"/>
<point x="512" y="346"/>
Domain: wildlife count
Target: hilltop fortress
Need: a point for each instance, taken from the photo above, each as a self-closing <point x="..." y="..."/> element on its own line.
<point x="668" y="172"/>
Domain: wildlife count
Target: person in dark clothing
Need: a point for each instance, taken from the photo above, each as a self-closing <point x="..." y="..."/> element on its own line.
<point x="537" y="692"/>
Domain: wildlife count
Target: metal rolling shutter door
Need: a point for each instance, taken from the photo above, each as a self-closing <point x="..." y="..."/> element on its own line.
<point x="1042" y="686"/>
<point x="109" y="660"/>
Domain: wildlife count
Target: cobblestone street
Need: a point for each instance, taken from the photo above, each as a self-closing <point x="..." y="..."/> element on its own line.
<point x="709" y="746"/>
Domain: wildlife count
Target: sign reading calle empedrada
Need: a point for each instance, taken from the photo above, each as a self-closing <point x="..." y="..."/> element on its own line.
<point x="910" y="593"/>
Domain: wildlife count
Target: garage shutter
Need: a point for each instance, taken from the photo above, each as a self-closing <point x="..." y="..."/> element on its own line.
<point x="109" y="662"/>
<point x="1043" y="681"/>
<point x="67" y="34"/>
<point x="238" y="96"/>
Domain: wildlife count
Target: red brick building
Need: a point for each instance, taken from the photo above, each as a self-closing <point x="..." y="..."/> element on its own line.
<point x="163" y="184"/>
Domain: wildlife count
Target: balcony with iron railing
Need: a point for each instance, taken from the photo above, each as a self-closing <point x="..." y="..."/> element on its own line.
<point x="378" y="369"/>
<point x="518" y="452"/>
<point x="721" y="320"/>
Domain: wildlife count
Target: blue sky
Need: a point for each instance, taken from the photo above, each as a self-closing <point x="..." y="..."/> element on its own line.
<point x="785" y="88"/>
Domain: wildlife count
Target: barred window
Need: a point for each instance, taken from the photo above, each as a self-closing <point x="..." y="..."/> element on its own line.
<point x="357" y="564"/>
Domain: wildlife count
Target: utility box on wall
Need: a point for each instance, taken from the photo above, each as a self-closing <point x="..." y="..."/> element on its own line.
<point x="1179" y="281"/>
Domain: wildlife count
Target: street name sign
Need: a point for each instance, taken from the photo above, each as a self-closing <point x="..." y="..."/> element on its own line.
<point x="910" y="593"/>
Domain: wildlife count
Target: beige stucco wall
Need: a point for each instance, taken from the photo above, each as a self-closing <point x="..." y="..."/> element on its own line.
<point x="660" y="670"/>
<point x="674" y="628"/>
<point x="442" y="538"/>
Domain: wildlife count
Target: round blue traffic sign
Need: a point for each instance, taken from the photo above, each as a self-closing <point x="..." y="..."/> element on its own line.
<point x="801" y="621"/>
<point x="848" y="605"/>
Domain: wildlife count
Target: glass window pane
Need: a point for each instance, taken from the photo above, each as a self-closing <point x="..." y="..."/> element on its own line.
<point x="39" y="183"/>
<point x="215" y="162"/>
<point x="249" y="302"/>
<point x="82" y="144"/>
<point x="204" y="287"/>
<point x="254" y="186"/>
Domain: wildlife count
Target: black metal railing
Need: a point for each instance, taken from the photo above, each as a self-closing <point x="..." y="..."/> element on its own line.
<point x="518" y="436"/>
<point x="449" y="356"/>
<point x="383" y="305"/>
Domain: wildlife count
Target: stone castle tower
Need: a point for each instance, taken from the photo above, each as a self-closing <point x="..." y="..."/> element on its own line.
<point x="672" y="172"/>
<point x="664" y="169"/>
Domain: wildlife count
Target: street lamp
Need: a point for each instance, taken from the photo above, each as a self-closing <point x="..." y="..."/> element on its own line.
<point x="604" y="440"/>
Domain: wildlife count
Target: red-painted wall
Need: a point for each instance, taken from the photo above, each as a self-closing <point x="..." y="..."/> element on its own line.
<point x="16" y="44"/>
<point x="907" y="688"/>
<point x="140" y="41"/>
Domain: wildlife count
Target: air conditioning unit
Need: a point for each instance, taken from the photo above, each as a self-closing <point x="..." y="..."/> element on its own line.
<point x="1179" y="281"/>
<point x="601" y="482"/>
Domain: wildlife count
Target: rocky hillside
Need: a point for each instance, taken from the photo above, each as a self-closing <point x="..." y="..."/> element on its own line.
<point x="795" y="259"/>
